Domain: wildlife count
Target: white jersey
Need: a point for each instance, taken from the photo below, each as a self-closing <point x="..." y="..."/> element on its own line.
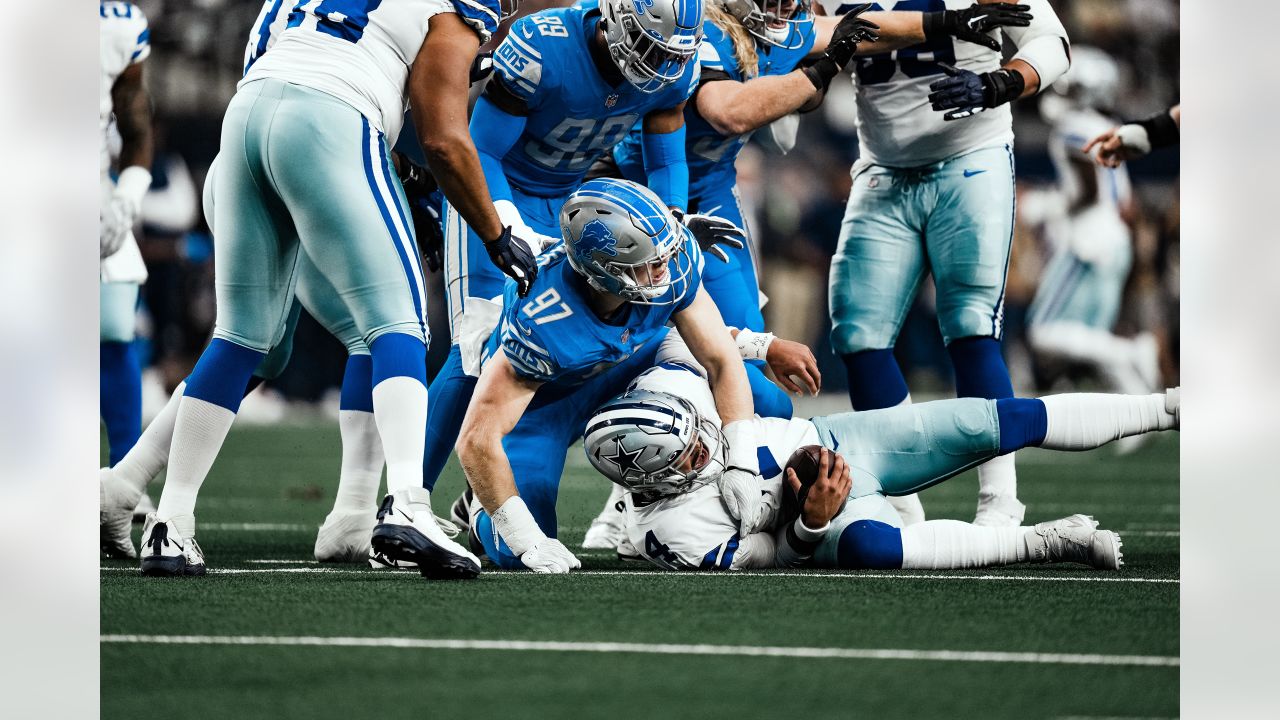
<point x="694" y="531"/>
<point x="124" y="40"/>
<point x="358" y="51"/>
<point x="897" y="127"/>
<point x="1097" y="231"/>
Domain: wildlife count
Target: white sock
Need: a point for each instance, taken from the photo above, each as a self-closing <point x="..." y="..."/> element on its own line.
<point x="997" y="479"/>
<point x="361" y="462"/>
<point x="147" y="458"/>
<point x="909" y="508"/>
<point x="1081" y="343"/>
<point x="1083" y="421"/>
<point x="400" y="408"/>
<point x="198" y="434"/>
<point x="953" y="545"/>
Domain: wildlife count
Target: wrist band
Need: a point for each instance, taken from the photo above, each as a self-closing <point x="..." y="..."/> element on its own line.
<point x="1161" y="129"/>
<point x="754" y="345"/>
<point x="133" y="183"/>
<point x="516" y="525"/>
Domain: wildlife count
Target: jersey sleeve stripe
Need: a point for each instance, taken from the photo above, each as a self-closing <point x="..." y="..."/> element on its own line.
<point x="482" y="19"/>
<point x="143" y="44"/>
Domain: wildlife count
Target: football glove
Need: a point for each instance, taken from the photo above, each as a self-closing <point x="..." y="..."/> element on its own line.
<point x="121" y="211"/>
<point x="550" y="557"/>
<point x="964" y="93"/>
<point x="974" y="22"/>
<point x="711" y="231"/>
<point x="512" y="256"/>
<point x="738" y="484"/>
<point x="482" y="67"/>
<point x="851" y="30"/>
<point x="419" y="187"/>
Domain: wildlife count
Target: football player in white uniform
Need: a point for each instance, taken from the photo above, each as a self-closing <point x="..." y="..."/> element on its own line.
<point x="337" y="78"/>
<point x="123" y="97"/>
<point x="933" y="191"/>
<point x="661" y="440"/>
<point x="1076" y="305"/>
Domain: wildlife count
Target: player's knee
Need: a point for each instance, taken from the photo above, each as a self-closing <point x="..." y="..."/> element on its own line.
<point x="870" y="545"/>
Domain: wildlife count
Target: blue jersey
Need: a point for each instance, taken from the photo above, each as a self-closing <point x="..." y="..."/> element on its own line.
<point x="553" y="336"/>
<point x="709" y="154"/>
<point x="573" y="114"/>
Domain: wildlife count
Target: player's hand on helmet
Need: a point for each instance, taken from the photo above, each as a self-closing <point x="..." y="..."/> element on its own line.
<point x="964" y="93"/>
<point x="711" y="232"/>
<point x="824" y="498"/>
<point x="550" y="556"/>
<point x="851" y="30"/>
<point x="419" y="188"/>
<point x="973" y="23"/>
<point x="794" y="366"/>
<point x="116" y="221"/>
<point x="740" y="493"/>
<point x="513" y="257"/>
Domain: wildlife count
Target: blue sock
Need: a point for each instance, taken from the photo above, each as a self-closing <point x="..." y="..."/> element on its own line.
<point x="875" y="380"/>
<point x="399" y="355"/>
<point x="1023" y="423"/>
<point x="447" y="401"/>
<point x="870" y="545"/>
<point x="769" y="399"/>
<point x="222" y="373"/>
<point x="980" y="369"/>
<point x="120" y="396"/>
<point x="357" y="384"/>
<point x="494" y="546"/>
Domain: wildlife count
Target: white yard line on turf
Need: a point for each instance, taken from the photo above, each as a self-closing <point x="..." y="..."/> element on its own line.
<point x="258" y="527"/>
<point x="654" y="649"/>
<point x="655" y="573"/>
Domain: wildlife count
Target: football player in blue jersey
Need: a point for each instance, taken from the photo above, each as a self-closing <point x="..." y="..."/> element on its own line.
<point x="568" y="84"/>
<point x="593" y="320"/>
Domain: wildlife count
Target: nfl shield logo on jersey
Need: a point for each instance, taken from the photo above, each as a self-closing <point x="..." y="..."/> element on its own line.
<point x="611" y="101"/>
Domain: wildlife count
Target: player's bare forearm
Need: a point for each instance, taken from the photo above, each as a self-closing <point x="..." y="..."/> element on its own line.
<point x="666" y="120"/>
<point x="1030" y="78"/>
<point x="438" y="90"/>
<point x="132" y="106"/>
<point x="704" y="331"/>
<point x="898" y="29"/>
<point x="500" y="400"/>
<point x="735" y="108"/>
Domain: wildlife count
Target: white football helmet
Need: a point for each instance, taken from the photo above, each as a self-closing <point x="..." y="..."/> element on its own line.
<point x="779" y="23"/>
<point x="654" y="443"/>
<point x="624" y="241"/>
<point x="1093" y="80"/>
<point x="651" y="41"/>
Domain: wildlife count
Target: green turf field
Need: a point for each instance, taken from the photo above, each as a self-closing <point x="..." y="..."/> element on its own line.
<point x="1020" y="642"/>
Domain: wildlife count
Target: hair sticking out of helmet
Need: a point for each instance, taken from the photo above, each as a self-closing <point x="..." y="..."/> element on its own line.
<point x="779" y="23"/>
<point x="652" y="41"/>
<point x="654" y="443"/>
<point x="625" y="242"/>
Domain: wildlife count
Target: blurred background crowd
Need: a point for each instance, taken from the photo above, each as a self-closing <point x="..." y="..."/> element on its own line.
<point x="795" y="203"/>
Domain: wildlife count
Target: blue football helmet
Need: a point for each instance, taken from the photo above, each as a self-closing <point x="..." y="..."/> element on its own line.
<point x="651" y="41"/>
<point x="622" y="238"/>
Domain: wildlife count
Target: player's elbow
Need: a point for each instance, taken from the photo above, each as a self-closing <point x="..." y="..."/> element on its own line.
<point x="729" y="123"/>
<point x="446" y="149"/>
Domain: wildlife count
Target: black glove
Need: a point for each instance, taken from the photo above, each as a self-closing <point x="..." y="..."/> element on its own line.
<point x="851" y="30"/>
<point x="481" y="67"/>
<point x="974" y="22"/>
<point x="512" y="256"/>
<point x="419" y="187"/>
<point x="966" y="93"/>
<point x="711" y="231"/>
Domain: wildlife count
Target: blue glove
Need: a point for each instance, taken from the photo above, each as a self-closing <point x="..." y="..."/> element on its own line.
<point x="424" y="197"/>
<point x="964" y="93"/>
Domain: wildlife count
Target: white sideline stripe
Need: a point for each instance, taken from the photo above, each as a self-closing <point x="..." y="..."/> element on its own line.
<point x="257" y="527"/>
<point x="657" y="573"/>
<point x="653" y="649"/>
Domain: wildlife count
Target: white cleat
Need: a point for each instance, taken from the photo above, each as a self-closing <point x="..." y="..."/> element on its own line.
<point x="169" y="552"/>
<point x="145" y="507"/>
<point x="999" y="512"/>
<point x="460" y="511"/>
<point x="1173" y="405"/>
<point x="344" y="537"/>
<point x="606" y="530"/>
<point x="1076" y="539"/>
<point x="116" y="501"/>
<point x="408" y="530"/>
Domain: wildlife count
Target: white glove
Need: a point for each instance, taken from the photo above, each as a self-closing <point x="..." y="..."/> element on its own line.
<point x="538" y="552"/>
<point x="739" y="484"/>
<point x="122" y="209"/>
<point x="549" y="556"/>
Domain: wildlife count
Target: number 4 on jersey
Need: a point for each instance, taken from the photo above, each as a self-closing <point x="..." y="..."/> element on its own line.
<point x="343" y="19"/>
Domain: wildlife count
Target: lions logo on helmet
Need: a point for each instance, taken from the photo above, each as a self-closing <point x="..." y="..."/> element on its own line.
<point x="654" y="443"/>
<point x="651" y="41"/>
<point x="625" y="242"/>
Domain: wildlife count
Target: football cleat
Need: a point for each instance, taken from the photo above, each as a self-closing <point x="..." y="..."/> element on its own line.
<point x="606" y="530"/>
<point x="1076" y="539"/>
<point x="344" y="537"/>
<point x="145" y="507"/>
<point x="166" y="552"/>
<point x="999" y="512"/>
<point x="408" y="530"/>
<point x="460" y="510"/>
<point x="115" y="516"/>
<point x="1173" y="405"/>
